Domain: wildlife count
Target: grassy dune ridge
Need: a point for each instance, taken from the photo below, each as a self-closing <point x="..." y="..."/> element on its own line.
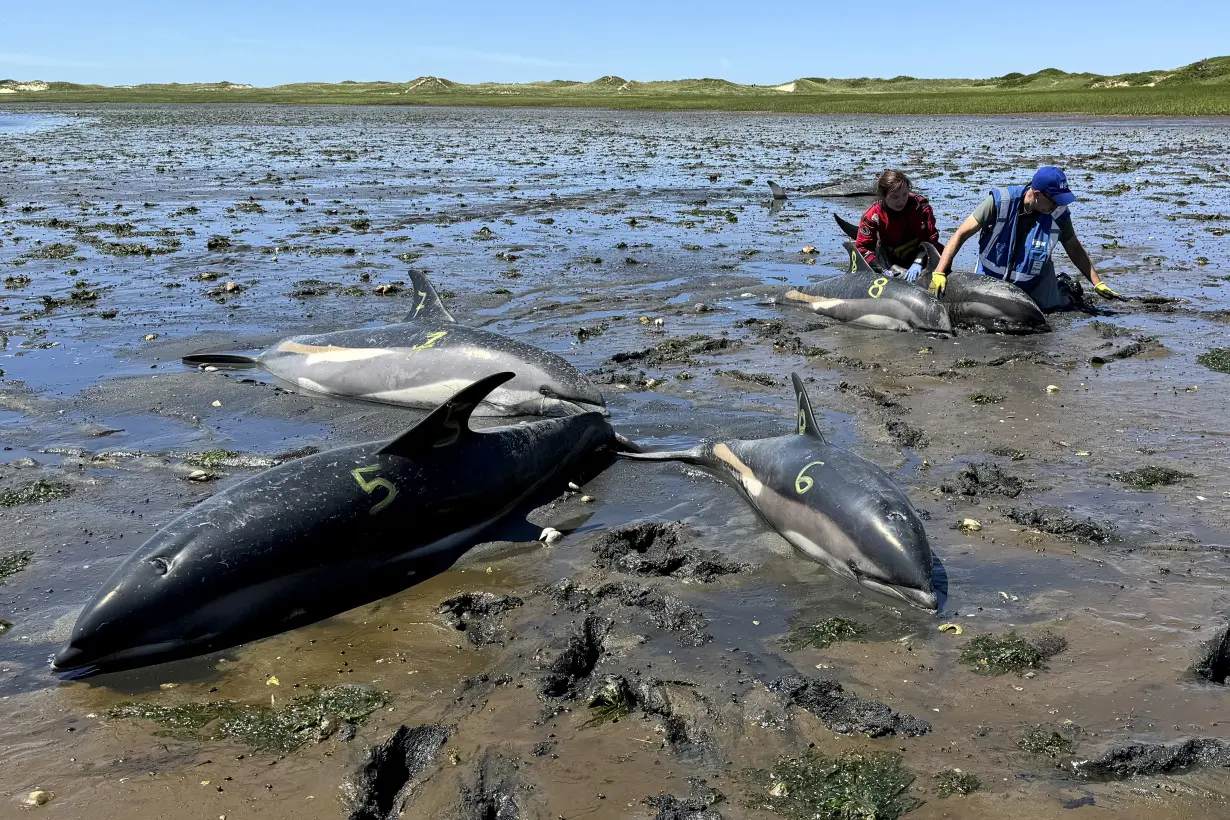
<point x="1199" y="89"/>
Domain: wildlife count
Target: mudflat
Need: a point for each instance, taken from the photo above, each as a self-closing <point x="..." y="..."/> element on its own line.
<point x="670" y="656"/>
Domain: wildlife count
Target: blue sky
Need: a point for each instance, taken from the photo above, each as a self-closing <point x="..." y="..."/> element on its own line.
<point x="750" y="42"/>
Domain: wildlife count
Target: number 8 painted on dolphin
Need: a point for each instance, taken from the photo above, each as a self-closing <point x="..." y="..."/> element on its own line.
<point x="877" y="288"/>
<point x="803" y="483"/>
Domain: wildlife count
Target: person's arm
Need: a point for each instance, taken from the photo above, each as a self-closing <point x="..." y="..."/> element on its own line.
<point x="968" y="228"/>
<point x="865" y="240"/>
<point x="1076" y="252"/>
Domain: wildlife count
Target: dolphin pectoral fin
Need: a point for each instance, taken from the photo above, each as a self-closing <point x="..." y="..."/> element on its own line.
<point x="448" y="423"/>
<point x="859" y="262"/>
<point x="778" y="191"/>
<point x="806" y="417"/>
<point x="427" y="304"/>
<point x="848" y="228"/>
<point x="626" y="445"/>
<point x="694" y="456"/>
<point x="221" y="360"/>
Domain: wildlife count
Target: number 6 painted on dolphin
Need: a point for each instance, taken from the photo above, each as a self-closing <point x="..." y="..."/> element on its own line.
<point x="803" y="483"/>
<point x="369" y="486"/>
<point x="877" y="287"/>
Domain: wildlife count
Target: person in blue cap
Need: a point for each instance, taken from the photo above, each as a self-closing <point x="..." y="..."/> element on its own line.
<point x="1019" y="227"/>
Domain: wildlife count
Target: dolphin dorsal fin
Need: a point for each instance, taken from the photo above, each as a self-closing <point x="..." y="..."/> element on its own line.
<point x="848" y="228"/>
<point x="448" y="423"/>
<point x="778" y="191"/>
<point x="806" y="418"/>
<point x="933" y="257"/>
<point x="857" y="263"/>
<point x="427" y="304"/>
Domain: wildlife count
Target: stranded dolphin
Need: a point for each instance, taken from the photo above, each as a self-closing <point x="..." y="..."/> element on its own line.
<point x="971" y="300"/>
<point x="870" y="299"/>
<point x="842" y="510"/>
<point x="836" y="189"/>
<point x="420" y="362"/>
<point x="316" y="536"/>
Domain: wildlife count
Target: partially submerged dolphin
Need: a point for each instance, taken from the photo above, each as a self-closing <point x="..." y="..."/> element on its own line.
<point x="841" y="510"/>
<point x="420" y="362"/>
<point x="837" y="189"/>
<point x="971" y="300"/>
<point x="872" y="300"/>
<point x="316" y="536"/>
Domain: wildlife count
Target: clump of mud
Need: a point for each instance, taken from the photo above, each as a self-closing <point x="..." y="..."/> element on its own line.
<point x="478" y="615"/>
<point x="823" y="634"/>
<point x="697" y="807"/>
<point x="854" y="785"/>
<point x="382" y="786"/>
<point x="284" y="729"/>
<point x="907" y="435"/>
<point x="1134" y="759"/>
<point x="13" y="563"/>
<point x="679" y="351"/>
<point x="879" y="397"/>
<point x="955" y="781"/>
<point x="1144" y="344"/>
<point x="1057" y="521"/>
<point x="568" y="671"/>
<point x="1040" y="741"/>
<point x="843" y="712"/>
<point x="664" y="611"/>
<point x="1214" y="662"/>
<point x="1107" y="330"/>
<point x="1146" y="478"/>
<point x="762" y="379"/>
<point x="983" y="479"/>
<point x="494" y="792"/>
<point x="658" y="549"/>
<point x="1217" y="358"/>
<point x="993" y="655"/>
<point x="610" y="701"/>
<point x="1008" y="452"/>
<point x="40" y="491"/>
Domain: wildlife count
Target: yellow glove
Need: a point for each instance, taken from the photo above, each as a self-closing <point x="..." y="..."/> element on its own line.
<point x="1105" y="292"/>
<point x="938" y="282"/>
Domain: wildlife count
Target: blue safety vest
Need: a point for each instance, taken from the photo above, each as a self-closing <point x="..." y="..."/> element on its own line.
<point x="997" y="240"/>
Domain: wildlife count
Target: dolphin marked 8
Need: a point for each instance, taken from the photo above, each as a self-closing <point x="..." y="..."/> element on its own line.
<point x="802" y="482"/>
<point x="369" y="486"/>
<point x="877" y="288"/>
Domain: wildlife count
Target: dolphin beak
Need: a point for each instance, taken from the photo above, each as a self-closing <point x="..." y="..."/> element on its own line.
<point x="925" y="599"/>
<point x="573" y="407"/>
<point x="70" y="657"/>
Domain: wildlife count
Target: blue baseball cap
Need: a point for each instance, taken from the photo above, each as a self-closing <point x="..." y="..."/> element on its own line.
<point x="1052" y="182"/>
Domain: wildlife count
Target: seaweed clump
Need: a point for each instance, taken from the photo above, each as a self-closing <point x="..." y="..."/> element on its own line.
<point x="1041" y="742"/>
<point x="816" y="787"/>
<point x="310" y="717"/>
<point x="993" y="655"/>
<point x="1146" y="478"/>
<point x="823" y="634"/>
<point x="955" y="781"/>
<point x="13" y="563"/>
<point x="40" y="491"/>
<point x="1214" y="662"/>
<point x="1217" y="358"/>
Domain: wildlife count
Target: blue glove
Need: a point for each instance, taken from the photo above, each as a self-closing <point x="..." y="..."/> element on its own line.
<point x="913" y="272"/>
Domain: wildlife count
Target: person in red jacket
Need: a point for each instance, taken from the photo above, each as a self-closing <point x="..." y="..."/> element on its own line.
<point x="892" y="230"/>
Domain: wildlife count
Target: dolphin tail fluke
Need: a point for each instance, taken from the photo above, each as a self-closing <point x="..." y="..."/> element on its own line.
<point x="778" y="191"/>
<point x="807" y="418"/>
<point x="858" y="264"/>
<point x="448" y="423"/>
<point x="427" y="304"/>
<point x="848" y="228"/>
<point x="221" y="360"/>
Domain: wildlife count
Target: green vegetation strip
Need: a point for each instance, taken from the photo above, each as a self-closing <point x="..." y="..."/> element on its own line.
<point x="1217" y="358"/>
<point x="851" y="787"/>
<point x="823" y="634"/>
<point x="1042" y="742"/>
<point x="993" y="655"/>
<point x="13" y="563"/>
<point x="1146" y="478"/>
<point x="955" y="781"/>
<point x="258" y="726"/>
<point x="39" y="491"/>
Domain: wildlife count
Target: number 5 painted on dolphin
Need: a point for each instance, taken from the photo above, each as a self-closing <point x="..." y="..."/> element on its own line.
<point x="877" y="287"/>
<point x="802" y="482"/>
<point x="369" y="486"/>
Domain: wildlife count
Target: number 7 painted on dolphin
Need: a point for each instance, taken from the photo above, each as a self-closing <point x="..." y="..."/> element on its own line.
<point x="369" y="486"/>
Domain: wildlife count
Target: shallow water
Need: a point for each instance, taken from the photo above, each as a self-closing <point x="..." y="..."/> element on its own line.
<point x="659" y="200"/>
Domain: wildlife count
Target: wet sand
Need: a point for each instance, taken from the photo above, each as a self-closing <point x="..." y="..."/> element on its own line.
<point x="538" y="224"/>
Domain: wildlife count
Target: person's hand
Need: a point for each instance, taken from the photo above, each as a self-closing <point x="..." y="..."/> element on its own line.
<point x="913" y="272"/>
<point x="938" y="282"/>
<point x="1103" y="290"/>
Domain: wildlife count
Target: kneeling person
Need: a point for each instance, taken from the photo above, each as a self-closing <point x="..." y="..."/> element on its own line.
<point x="892" y="230"/>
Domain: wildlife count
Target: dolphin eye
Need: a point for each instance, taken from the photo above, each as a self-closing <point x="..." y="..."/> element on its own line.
<point x="160" y="565"/>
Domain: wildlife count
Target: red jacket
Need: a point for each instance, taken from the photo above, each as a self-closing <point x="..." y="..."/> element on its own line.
<point x="898" y="232"/>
